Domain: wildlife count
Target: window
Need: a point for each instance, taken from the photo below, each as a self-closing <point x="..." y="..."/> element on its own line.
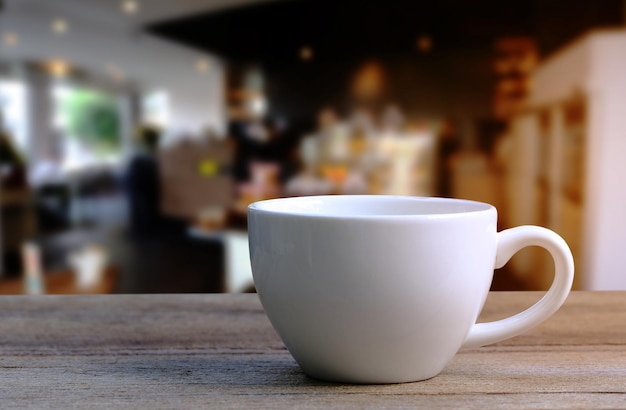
<point x="155" y="108"/>
<point x="90" y="125"/>
<point x="13" y="108"/>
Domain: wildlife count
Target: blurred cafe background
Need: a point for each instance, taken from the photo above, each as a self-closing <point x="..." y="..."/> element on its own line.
<point x="134" y="133"/>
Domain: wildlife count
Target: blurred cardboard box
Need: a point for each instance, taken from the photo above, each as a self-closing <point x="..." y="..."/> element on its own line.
<point x="194" y="176"/>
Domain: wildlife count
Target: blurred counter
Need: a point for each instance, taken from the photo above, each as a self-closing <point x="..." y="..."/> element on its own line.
<point x="62" y="283"/>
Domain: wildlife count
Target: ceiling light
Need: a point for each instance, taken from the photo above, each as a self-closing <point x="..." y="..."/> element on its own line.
<point x="10" y="39"/>
<point x="424" y="44"/>
<point x="130" y="6"/>
<point x="306" y="53"/>
<point x="202" y="65"/>
<point x="58" y="68"/>
<point x="59" y="26"/>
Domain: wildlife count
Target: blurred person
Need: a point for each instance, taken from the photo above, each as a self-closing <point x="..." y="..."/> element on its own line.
<point x="237" y="135"/>
<point x="143" y="184"/>
<point x="15" y="226"/>
<point x="12" y="165"/>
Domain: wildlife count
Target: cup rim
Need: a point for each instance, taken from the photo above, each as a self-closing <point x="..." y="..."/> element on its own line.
<point x="451" y="207"/>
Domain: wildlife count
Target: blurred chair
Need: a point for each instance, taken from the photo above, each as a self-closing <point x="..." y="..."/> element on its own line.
<point x="169" y="262"/>
<point x="53" y="207"/>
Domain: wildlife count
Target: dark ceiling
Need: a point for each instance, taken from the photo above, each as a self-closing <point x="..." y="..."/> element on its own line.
<point x="348" y="29"/>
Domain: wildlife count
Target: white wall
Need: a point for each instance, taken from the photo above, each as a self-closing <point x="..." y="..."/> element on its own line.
<point x="605" y="211"/>
<point x="147" y="62"/>
<point x="562" y="74"/>
<point x="593" y="67"/>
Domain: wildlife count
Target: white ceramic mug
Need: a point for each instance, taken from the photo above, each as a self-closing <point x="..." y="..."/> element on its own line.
<point x="386" y="289"/>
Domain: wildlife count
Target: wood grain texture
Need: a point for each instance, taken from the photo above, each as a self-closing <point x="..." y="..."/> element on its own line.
<point x="219" y="351"/>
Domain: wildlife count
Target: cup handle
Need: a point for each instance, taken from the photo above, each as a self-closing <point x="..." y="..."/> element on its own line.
<point x="511" y="241"/>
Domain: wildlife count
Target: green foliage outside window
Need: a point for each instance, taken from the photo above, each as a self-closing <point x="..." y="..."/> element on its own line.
<point x="92" y="118"/>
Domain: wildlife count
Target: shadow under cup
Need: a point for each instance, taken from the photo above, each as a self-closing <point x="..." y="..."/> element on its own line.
<point x="372" y="289"/>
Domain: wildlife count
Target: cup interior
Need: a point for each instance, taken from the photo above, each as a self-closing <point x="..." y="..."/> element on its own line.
<point x="343" y="206"/>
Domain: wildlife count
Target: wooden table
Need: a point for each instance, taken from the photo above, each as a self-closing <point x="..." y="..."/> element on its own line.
<point x="219" y="351"/>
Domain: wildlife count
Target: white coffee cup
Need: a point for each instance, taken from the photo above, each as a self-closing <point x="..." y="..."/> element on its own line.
<point x="387" y="289"/>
